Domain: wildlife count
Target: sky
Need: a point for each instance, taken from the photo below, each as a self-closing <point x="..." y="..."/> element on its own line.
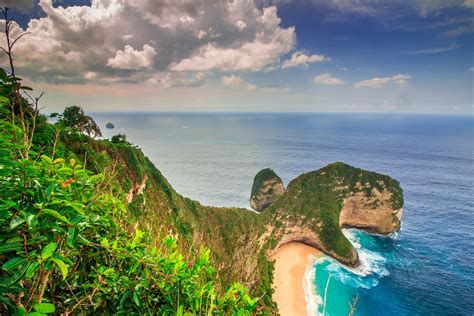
<point x="401" y="56"/>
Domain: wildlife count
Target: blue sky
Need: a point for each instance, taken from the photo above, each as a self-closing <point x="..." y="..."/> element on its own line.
<point x="242" y="55"/>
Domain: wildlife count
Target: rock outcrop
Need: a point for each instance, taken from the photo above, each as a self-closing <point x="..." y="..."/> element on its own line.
<point x="316" y="205"/>
<point x="267" y="187"/>
<point x="374" y="214"/>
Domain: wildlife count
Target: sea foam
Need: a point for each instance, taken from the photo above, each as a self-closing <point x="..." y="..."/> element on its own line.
<point x="313" y="300"/>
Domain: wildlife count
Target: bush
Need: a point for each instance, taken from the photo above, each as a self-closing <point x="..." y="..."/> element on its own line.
<point x="119" y="138"/>
<point x="64" y="248"/>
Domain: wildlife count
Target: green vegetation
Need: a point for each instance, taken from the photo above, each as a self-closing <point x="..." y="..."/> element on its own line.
<point x="260" y="178"/>
<point x="320" y="196"/>
<point x="65" y="249"/>
<point x="74" y="119"/>
<point x="119" y="138"/>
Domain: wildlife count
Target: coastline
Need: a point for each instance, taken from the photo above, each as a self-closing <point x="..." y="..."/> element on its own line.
<point x="293" y="262"/>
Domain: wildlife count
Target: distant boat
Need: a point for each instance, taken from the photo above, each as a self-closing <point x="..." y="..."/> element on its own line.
<point x="109" y="125"/>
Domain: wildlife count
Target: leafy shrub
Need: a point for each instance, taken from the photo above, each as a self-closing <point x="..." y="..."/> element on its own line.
<point x="64" y="249"/>
<point x="119" y="138"/>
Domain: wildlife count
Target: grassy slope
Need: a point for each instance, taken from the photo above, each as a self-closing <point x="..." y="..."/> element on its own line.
<point x="238" y="238"/>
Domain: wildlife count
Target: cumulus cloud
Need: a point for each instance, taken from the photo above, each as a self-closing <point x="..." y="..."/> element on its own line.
<point x="136" y="41"/>
<point x="327" y="79"/>
<point x="253" y="55"/>
<point x="129" y="58"/>
<point x="301" y="59"/>
<point x="399" y="80"/>
<point x="236" y="82"/>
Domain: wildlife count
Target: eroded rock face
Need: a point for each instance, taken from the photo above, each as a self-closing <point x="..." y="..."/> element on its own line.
<point x="374" y="213"/>
<point x="318" y="204"/>
<point x="267" y="187"/>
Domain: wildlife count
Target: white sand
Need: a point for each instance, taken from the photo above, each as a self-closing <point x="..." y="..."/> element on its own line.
<point x="291" y="262"/>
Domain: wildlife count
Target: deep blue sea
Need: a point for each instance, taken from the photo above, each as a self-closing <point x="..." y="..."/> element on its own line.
<point x="425" y="269"/>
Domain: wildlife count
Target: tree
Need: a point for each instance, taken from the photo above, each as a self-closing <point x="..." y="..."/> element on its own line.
<point x="119" y="138"/>
<point x="75" y="118"/>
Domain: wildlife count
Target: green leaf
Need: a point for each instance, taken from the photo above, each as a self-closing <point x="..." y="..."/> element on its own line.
<point x="35" y="314"/>
<point x="10" y="247"/>
<point x="136" y="299"/>
<point x="55" y="214"/>
<point x="19" y="274"/>
<point x="13" y="264"/>
<point x="31" y="220"/>
<point x="124" y="298"/>
<point x="16" y="222"/>
<point x="72" y="236"/>
<point x="62" y="266"/>
<point x="104" y="242"/>
<point x="49" y="250"/>
<point x="32" y="269"/>
<point x="65" y="170"/>
<point x="46" y="159"/>
<point x="50" y="190"/>
<point x="20" y="311"/>
<point x="45" y="308"/>
<point x="4" y="100"/>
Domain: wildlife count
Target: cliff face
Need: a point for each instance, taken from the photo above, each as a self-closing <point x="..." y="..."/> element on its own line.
<point x="267" y="187"/>
<point x="312" y="210"/>
<point x="318" y="204"/>
<point x="374" y="214"/>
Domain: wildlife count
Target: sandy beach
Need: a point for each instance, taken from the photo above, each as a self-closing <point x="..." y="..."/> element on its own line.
<point x="291" y="262"/>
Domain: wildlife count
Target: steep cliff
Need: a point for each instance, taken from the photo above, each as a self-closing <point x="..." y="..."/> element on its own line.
<point x="312" y="210"/>
<point x="266" y="188"/>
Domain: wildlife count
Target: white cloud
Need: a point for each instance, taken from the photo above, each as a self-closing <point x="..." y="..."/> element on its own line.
<point x="129" y="58"/>
<point x="254" y="55"/>
<point x="471" y="69"/>
<point x="235" y="82"/>
<point x="301" y="59"/>
<point x="399" y="80"/>
<point x="327" y="79"/>
<point x="117" y="39"/>
<point x="436" y="50"/>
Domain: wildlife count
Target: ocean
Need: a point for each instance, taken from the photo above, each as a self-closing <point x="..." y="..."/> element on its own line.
<point x="425" y="269"/>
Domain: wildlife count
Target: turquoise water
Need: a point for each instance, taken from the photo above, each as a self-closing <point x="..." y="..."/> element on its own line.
<point x="426" y="269"/>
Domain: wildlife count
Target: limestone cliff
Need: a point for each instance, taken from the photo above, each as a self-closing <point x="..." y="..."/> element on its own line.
<point x="318" y="204"/>
<point x="267" y="187"/>
<point x="373" y="213"/>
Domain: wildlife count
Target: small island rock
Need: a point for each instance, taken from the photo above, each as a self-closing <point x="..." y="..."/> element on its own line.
<point x="267" y="187"/>
<point x="109" y="125"/>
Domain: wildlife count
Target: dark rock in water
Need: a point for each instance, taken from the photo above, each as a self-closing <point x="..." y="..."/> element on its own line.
<point x="110" y="125"/>
<point x="267" y="187"/>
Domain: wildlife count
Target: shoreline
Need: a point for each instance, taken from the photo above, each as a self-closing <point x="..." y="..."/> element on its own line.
<point x="290" y="280"/>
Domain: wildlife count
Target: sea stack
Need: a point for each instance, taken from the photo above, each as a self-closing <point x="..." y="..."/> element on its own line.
<point x="267" y="187"/>
<point x="109" y="125"/>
